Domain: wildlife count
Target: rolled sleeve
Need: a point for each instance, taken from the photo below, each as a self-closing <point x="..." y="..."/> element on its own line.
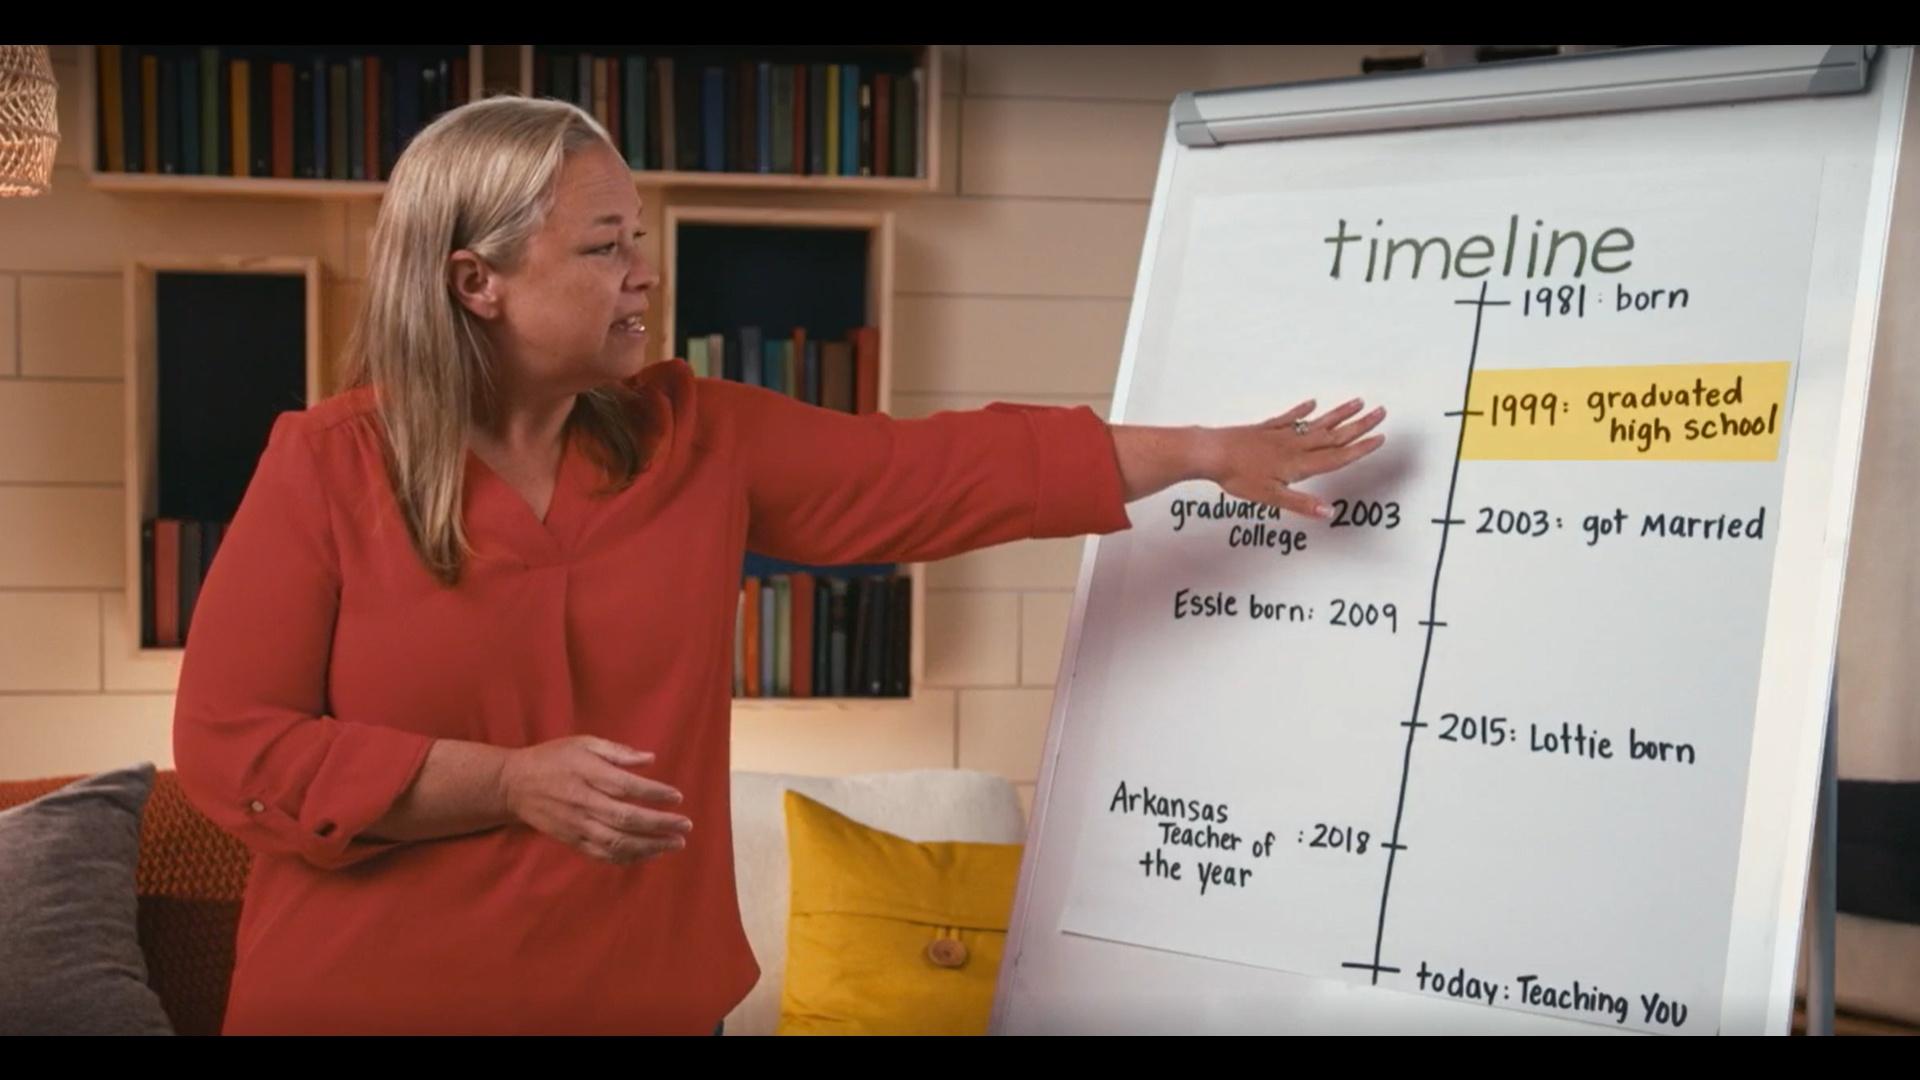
<point x="366" y="768"/>
<point x="1077" y="486"/>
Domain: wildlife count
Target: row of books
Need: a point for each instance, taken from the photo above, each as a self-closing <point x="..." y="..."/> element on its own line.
<point x="175" y="555"/>
<point x="843" y="374"/>
<point x="314" y="115"/>
<point x="692" y="114"/>
<point x="799" y="634"/>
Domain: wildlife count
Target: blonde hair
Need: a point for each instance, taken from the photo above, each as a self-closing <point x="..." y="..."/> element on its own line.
<point x="479" y="178"/>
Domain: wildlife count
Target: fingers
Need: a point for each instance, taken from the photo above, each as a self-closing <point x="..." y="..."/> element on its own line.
<point x="608" y="845"/>
<point x="1339" y="457"/>
<point x="1334" y="417"/>
<point x="636" y="820"/>
<point x="1295" y="413"/>
<point x="618" y="754"/>
<point x="1346" y="433"/>
<point x="1299" y="502"/>
<point x="619" y="784"/>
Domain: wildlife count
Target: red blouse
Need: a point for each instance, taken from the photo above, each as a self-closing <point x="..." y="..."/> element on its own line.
<point x="324" y="659"/>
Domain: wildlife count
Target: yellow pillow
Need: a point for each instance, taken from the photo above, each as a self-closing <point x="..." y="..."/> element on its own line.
<point x="890" y="937"/>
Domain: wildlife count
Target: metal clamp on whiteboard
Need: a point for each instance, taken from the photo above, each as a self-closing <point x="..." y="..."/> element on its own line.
<point x="1521" y="90"/>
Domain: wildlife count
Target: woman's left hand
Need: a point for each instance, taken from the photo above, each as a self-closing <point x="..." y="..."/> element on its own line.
<point x="1262" y="461"/>
<point x="1259" y="461"/>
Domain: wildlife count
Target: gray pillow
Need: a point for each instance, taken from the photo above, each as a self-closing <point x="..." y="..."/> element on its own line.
<point x="70" y="960"/>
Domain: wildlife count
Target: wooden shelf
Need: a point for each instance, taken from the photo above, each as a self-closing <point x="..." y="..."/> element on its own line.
<point x="349" y="190"/>
<point x="877" y="185"/>
<point x="878" y="227"/>
<point x="142" y="391"/>
<point x="260" y="186"/>
<point x="853" y="705"/>
<point x="484" y="81"/>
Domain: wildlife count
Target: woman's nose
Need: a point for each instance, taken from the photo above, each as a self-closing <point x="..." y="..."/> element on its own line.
<point x="641" y="274"/>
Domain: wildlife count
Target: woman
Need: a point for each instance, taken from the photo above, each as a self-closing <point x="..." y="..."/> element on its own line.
<point x="461" y="675"/>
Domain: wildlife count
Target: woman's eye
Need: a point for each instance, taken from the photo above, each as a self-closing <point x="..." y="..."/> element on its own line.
<point x="613" y="246"/>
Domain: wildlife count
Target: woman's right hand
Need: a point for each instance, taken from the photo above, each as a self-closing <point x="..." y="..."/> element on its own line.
<point x="578" y="791"/>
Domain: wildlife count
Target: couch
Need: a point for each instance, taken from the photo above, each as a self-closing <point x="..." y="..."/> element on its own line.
<point x="190" y="875"/>
<point x="189" y="878"/>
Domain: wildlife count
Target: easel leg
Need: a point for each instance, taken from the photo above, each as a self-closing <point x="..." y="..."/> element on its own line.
<point x="1820" y="959"/>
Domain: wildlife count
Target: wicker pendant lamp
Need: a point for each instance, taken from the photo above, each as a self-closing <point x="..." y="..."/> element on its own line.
<point x="29" y="126"/>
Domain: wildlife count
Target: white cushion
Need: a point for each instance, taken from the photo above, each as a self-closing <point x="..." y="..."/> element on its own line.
<point x="923" y="805"/>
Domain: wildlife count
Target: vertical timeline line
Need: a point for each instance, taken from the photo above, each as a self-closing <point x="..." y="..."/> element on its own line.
<point x="1432" y="622"/>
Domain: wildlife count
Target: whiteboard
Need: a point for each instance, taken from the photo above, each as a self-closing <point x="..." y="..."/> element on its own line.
<point x="1528" y="739"/>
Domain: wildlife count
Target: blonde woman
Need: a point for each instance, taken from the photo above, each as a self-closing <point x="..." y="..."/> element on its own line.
<point x="460" y="678"/>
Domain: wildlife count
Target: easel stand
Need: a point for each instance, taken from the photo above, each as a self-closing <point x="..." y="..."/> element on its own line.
<point x="1823" y="891"/>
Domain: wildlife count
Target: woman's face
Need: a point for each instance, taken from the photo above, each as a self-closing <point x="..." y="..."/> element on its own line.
<point x="570" y="316"/>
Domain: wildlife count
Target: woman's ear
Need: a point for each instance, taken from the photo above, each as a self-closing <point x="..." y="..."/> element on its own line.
<point x="474" y="284"/>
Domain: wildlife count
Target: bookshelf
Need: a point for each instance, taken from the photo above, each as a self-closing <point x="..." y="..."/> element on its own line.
<point x="184" y="92"/>
<point x="828" y="272"/>
<point x="910" y="141"/>
<point x="215" y="349"/>
<point x="773" y="116"/>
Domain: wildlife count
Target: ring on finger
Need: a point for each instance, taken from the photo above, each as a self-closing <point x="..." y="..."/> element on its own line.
<point x="1301" y="427"/>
